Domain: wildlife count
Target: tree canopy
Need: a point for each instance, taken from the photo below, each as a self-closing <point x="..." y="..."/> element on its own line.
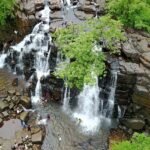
<point x="6" y="9"/>
<point x="80" y="44"/>
<point x="132" y="13"/>
<point x="137" y="142"/>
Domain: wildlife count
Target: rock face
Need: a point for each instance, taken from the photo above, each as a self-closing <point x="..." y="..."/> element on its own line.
<point x="37" y="138"/>
<point x="52" y="88"/>
<point x="133" y="84"/>
<point x="134" y="123"/>
<point x="25" y="101"/>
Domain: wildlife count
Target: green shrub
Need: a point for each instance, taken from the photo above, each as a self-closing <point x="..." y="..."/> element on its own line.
<point x="132" y="13"/>
<point x="137" y="142"/>
<point x="6" y="9"/>
<point x="77" y="42"/>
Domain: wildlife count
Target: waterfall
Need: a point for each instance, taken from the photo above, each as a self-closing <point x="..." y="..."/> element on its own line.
<point x="107" y="109"/>
<point x="87" y="110"/>
<point x="92" y="112"/>
<point x="37" y="43"/>
<point x="2" y="60"/>
<point x="66" y="99"/>
<point x="68" y="2"/>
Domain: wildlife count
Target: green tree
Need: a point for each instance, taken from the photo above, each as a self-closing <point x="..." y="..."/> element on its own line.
<point x="137" y="142"/>
<point x="6" y="10"/>
<point x="132" y="13"/>
<point x="78" y="42"/>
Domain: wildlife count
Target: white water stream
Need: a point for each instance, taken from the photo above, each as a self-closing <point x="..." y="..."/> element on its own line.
<point x="2" y="60"/>
<point x="39" y="41"/>
<point x="91" y="112"/>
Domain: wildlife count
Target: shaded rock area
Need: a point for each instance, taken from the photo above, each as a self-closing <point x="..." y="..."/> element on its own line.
<point x="133" y="84"/>
<point x="52" y="88"/>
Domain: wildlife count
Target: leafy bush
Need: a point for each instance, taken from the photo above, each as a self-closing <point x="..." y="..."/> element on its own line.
<point x="6" y="9"/>
<point x="78" y="42"/>
<point x="137" y="142"/>
<point x="132" y="13"/>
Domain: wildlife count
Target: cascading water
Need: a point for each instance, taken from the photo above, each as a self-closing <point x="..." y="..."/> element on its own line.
<point x="66" y="99"/>
<point x="38" y="42"/>
<point x="2" y="60"/>
<point x="92" y="112"/>
<point x="88" y="108"/>
<point x="107" y="109"/>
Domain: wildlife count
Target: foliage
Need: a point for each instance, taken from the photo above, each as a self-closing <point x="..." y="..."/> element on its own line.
<point x="132" y="13"/>
<point x="77" y="43"/>
<point x="6" y="9"/>
<point x="137" y="142"/>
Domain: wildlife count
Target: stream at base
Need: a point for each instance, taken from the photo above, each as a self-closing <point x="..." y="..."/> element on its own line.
<point x="64" y="134"/>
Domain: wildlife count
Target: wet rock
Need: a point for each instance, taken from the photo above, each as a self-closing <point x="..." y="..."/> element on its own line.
<point x="146" y="56"/>
<point x="35" y="130"/>
<point x="141" y="100"/>
<point x="102" y="5"/>
<point x="29" y="7"/>
<point x="82" y="15"/>
<point x="36" y="147"/>
<point x="18" y="93"/>
<point x="131" y="68"/>
<point x="130" y="51"/>
<point x="88" y="8"/>
<point x="56" y="15"/>
<point x="25" y="101"/>
<point x="11" y="92"/>
<point x="15" y="82"/>
<point x="5" y="114"/>
<point x="55" y="4"/>
<point x="24" y="116"/>
<point x="39" y="4"/>
<point x="3" y="106"/>
<point x="37" y="138"/>
<point x="11" y="106"/>
<point x="133" y="123"/>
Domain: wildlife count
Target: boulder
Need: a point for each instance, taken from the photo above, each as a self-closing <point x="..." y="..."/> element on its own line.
<point x="143" y="100"/>
<point x="8" y="99"/>
<point x="37" y="138"/>
<point x="15" y="82"/>
<point x="25" y="101"/>
<point x="3" y="106"/>
<point x="11" y="106"/>
<point x="82" y="15"/>
<point x="56" y="15"/>
<point x="29" y="7"/>
<point x="133" y="123"/>
<point x="24" y="116"/>
<point x="129" y="50"/>
<point x="11" y="92"/>
<point x="5" y="114"/>
<point x="55" y="4"/>
<point x="39" y="4"/>
<point x="131" y="68"/>
<point x="87" y="8"/>
<point x="35" y="130"/>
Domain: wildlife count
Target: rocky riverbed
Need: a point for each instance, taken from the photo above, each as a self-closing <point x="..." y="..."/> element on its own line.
<point x="14" y="105"/>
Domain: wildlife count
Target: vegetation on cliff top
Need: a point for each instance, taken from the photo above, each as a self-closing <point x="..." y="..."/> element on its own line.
<point x="132" y="13"/>
<point x="78" y="43"/>
<point x="137" y="142"/>
<point x="6" y="10"/>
